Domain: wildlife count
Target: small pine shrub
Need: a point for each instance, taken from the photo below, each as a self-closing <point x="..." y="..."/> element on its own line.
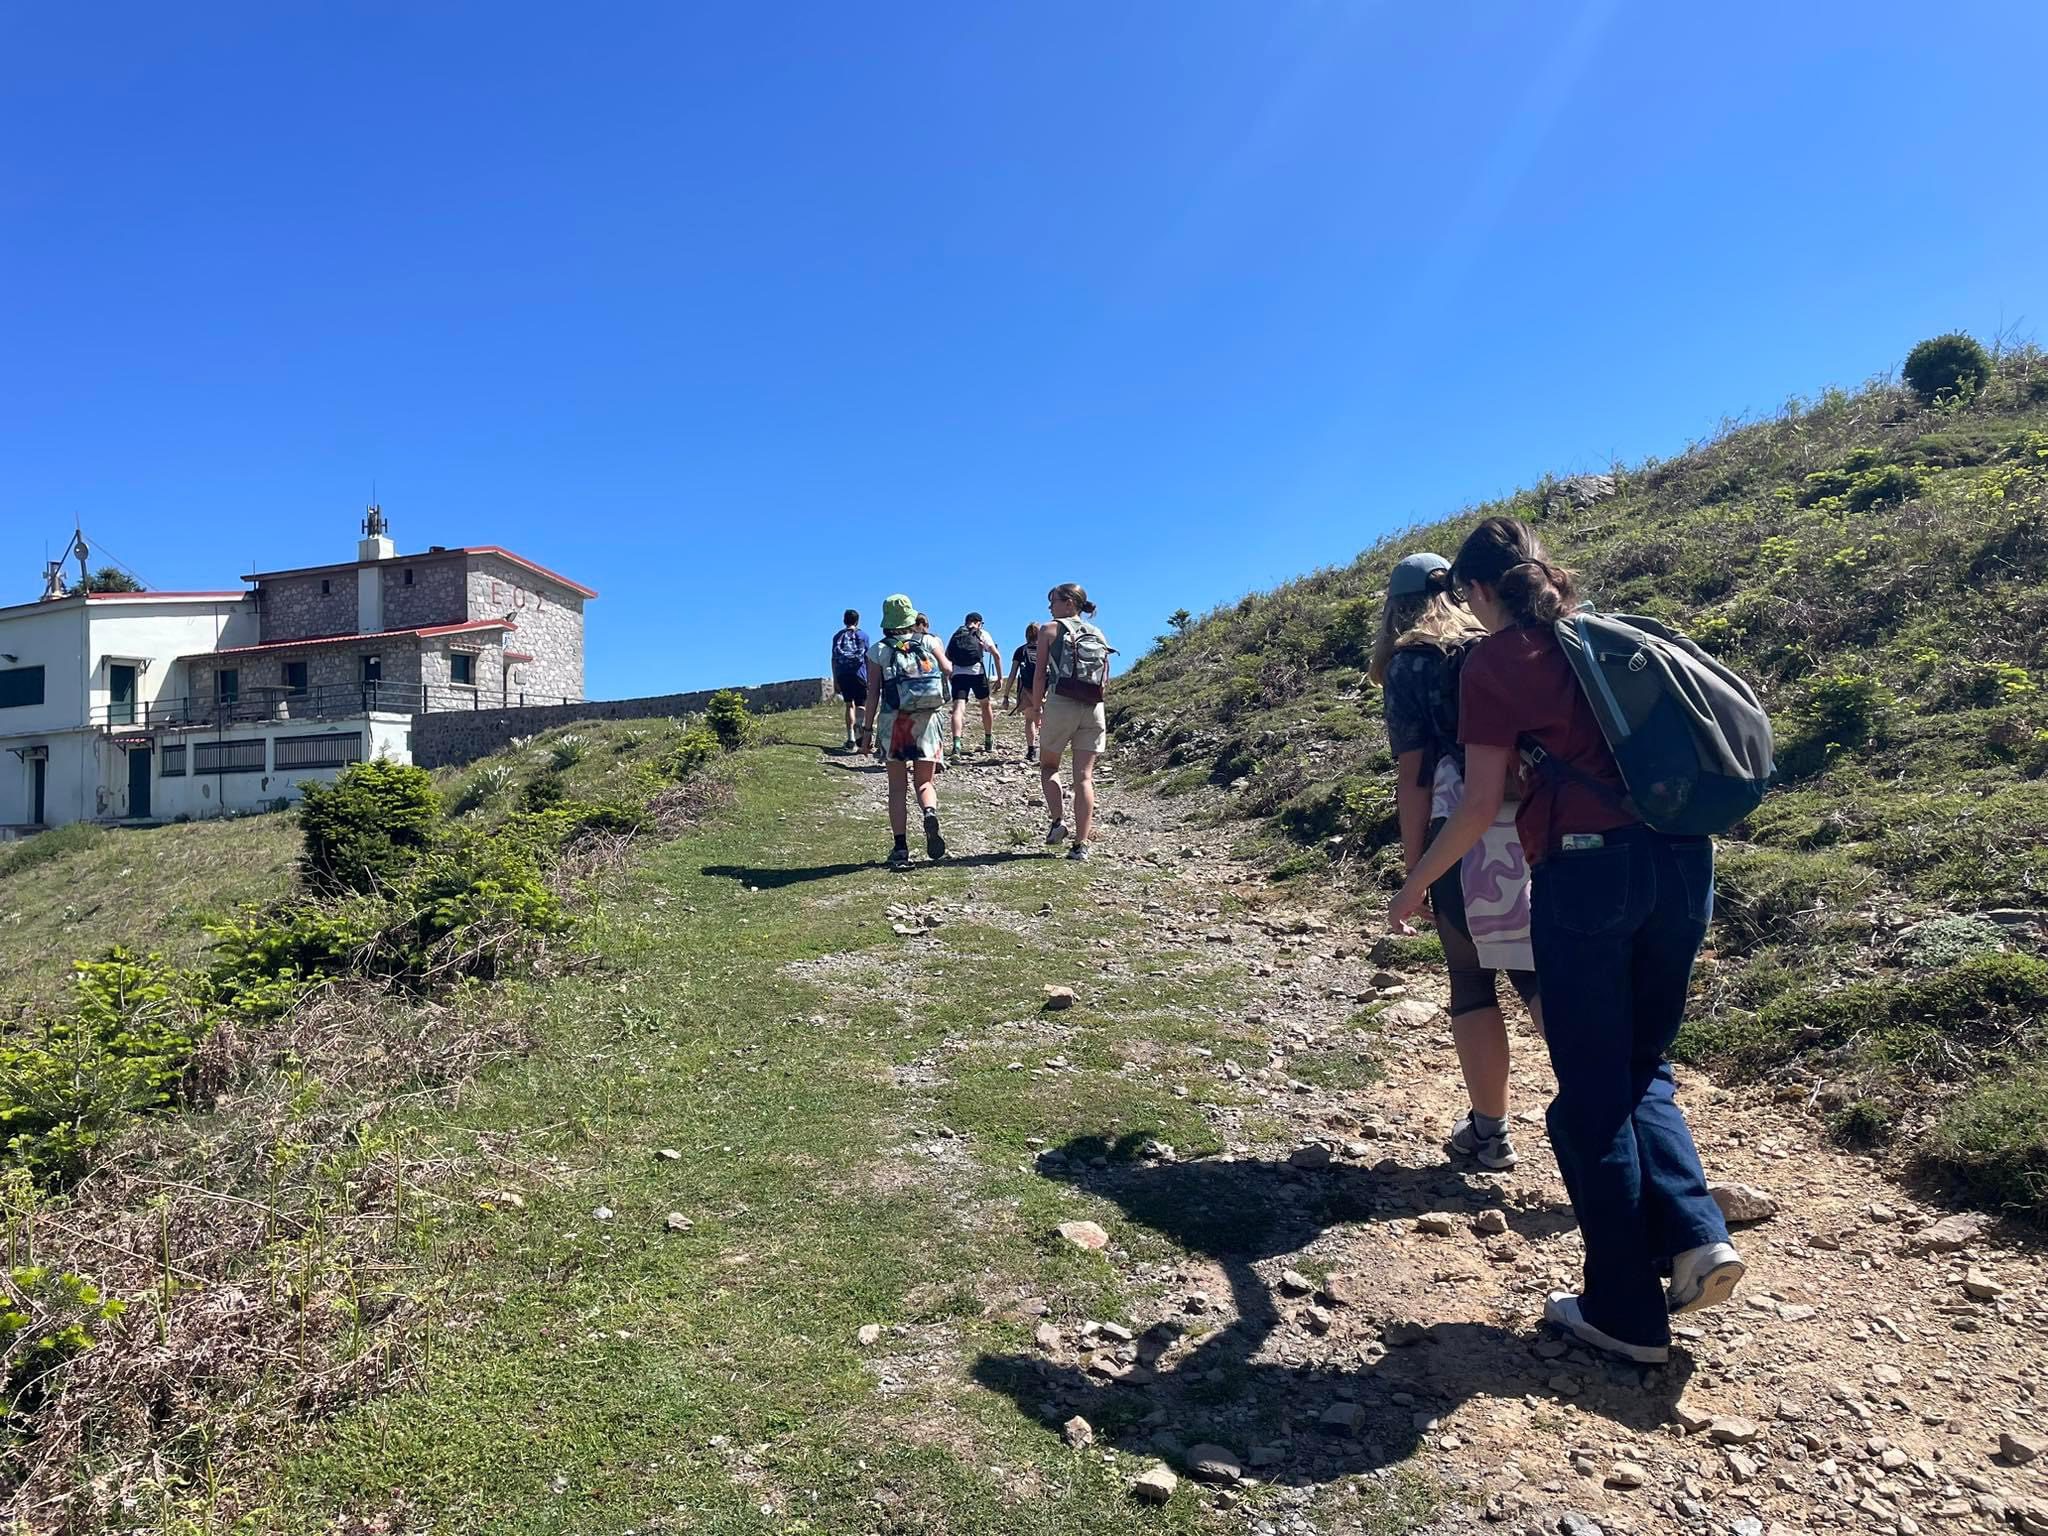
<point x="544" y="793"/>
<point x="730" y="720"/>
<point x="568" y="751"/>
<point x="697" y="747"/>
<point x="1865" y="1123"/>
<point x="367" y="828"/>
<point x="47" y="1316"/>
<point x="1946" y="367"/>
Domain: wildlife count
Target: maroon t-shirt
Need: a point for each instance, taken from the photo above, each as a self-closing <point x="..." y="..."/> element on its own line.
<point x="1516" y="686"/>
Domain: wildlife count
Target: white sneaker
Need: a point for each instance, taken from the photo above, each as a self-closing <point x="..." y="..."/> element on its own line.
<point x="1493" y="1151"/>
<point x="1705" y="1277"/>
<point x="1056" y="834"/>
<point x="1562" y="1311"/>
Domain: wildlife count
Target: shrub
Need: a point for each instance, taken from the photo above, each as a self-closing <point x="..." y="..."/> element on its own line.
<point x="487" y="784"/>
<point x="263" y="961"/>
<point x="1947" y="366"/>
<point x="1840" y="712"/>
<point x="545" y="792"/>
<point x="697" y="747"/>
<point x="367" y="828"/>
<point x="473" y="904"/>
<point x="568" y="751"/>
<point x="730" y="721"/>
<point x="47" y="1316"/>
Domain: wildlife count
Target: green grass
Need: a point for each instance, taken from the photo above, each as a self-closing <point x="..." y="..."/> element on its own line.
<point x="686" y="1381"/>
<point x="69" y="893"/>
<point x="1878" y="567"/>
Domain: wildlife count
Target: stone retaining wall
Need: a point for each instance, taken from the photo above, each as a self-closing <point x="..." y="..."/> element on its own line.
<point x="450" y="737"/>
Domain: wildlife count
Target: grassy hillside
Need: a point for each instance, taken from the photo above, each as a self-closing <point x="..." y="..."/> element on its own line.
<point x="1879" y="567"/>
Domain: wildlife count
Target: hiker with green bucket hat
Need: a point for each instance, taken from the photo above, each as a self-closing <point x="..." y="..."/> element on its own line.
<point x="909" y="696"/>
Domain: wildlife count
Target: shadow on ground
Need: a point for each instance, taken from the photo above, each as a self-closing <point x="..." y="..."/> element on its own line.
<point x="1236" y="1213"/>
<point x="765" y="878"/>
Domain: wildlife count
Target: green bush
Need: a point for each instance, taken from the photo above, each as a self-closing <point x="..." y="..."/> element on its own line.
<point x="262" y="962"/>
<point x="367" y="828"/>
<point x="47" y="1316"/>
<point x="730" y="721"/>
<point x="1994" y="1138"/>
<point x="568" y="751"/>
<point x="545" y="792"/>
<point x="1947" y="366"/>
<point x="697" y="747"/>
<point x="1840" y="712"/>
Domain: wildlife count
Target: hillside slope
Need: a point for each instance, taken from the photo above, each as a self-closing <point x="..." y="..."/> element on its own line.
<point x="1880" y="568"/>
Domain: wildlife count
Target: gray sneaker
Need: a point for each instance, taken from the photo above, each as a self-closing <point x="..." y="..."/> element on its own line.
<point x="1056" y="834"/>
<point x="1492" y="1151"/>
<point x="1079" y="853"/>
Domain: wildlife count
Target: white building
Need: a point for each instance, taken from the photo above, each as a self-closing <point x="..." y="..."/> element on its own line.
<point x="97" y="722"/>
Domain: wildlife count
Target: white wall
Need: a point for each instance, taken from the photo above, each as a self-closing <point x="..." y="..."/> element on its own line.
<point x="51" y="636"/>
<point x="128" y="629"/>
<point x="227" y="794"/>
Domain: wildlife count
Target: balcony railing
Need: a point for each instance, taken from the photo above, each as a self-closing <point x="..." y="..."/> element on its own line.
<point x="255" y="704"/>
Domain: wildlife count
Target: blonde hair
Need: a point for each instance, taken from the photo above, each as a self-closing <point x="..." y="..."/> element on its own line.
<point x="1433" y="618"/>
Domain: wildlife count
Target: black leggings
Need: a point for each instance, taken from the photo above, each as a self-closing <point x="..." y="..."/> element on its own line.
<point x="1473" y="986"/>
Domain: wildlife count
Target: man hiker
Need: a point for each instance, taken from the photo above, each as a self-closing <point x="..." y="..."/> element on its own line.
<point x="968" y="651"/>
<point x="850" y="669"/>
<point x="908" y="670"/>
<point x="1023" y="678"/>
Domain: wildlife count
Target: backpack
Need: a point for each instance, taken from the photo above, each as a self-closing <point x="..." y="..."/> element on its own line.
<point x="849" y="650"/>
<point x="1080" y="660"/>
<point x="1443" y="718"/>
<point x="1691" y="739"/>
<point x="964" y="649"/>
<point x="911" y="681"/>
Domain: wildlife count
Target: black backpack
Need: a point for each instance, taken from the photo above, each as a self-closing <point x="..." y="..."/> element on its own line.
<point x="964" y="649"/>
<point x="1443" y="720"/>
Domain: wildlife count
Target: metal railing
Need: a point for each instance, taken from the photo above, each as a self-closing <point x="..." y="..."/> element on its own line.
<point x="253" y="705"/>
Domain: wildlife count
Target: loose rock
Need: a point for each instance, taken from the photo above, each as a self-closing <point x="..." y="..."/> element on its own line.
<point x="1080" y="1434"/>
<point x="1058" y="999"/>
<point x="1154" y="1485"/>
<point x="1214" y="1464"/>
<point x="870" y="1334"/>
<point x="1311" y="1157"/>
<point x="1729" y="1430"/>
<point x="1084" y="1234"/>
<point x="676" y="1221"/>
<point x="2019" y="1448"/>
<point x="1743" y="1203"/>
<point x="1490" y="1223"/>
<point x="1342" y="1417"/>
<point x="1627" y="1474"/>
<point x="1436" y="1223"/>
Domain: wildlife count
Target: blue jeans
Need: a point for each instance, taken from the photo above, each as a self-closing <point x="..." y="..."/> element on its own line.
<point x="1615" y="931"/>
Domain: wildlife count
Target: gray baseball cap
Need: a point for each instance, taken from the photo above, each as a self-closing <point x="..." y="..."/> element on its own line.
<point x="1411" y="575"/>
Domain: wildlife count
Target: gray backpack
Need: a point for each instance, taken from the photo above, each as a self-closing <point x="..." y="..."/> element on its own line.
<point x="1080" y="660"/>
<point x="1691" y="739"/>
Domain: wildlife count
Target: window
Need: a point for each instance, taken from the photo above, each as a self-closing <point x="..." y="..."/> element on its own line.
<point x="373" y="669"/>
<point x="227" y="757"/>
<point x="408" y="576"/>
<point x="462" y="670"/>
<point x="227" y="685"/>
<point x="170" y="762"/>
<point x="20" y="687"/>
<point x="324" y="588"/>
<point x="334" y="750"/>
<point x="295" y="677"/>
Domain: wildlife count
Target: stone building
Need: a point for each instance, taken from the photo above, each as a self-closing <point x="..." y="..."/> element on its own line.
<point x="462" y="628"/>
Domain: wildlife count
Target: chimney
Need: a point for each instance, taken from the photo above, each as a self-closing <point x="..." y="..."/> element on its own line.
<point x="375" y="545"/>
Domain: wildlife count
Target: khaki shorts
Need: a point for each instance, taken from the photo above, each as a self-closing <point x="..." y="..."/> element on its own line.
<point x="1071" y="726"/>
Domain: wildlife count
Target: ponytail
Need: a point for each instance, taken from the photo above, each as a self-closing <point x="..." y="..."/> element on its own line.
<point x="1506" y="555"/>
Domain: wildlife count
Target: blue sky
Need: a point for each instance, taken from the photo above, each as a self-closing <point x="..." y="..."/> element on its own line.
<point x="742" y="312"/>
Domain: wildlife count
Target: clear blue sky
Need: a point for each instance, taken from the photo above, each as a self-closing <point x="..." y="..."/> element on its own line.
<point x="743" y="311"/>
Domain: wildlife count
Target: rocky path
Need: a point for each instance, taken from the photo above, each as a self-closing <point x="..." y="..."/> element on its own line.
<point x="1346" y="1327"/>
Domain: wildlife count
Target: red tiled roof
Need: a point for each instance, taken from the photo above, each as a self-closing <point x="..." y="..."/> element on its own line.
<point x="434" y="554"/>
<point x="430" y="632"/>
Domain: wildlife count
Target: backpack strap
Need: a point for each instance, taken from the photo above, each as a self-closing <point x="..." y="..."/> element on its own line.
<point x="1557" y="773"/>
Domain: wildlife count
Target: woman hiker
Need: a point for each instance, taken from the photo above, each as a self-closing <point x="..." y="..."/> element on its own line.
<point x="1619" y="915"/>
<point x="1066" y="696"/>
<point x="908" y="672"/>
<point x="1481" y="903"/>
<point x="1023" y="674"/>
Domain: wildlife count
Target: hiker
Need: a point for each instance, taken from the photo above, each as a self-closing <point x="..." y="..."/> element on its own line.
<point x="850" y="669"/>
<point x="1072" y="670"/>
<point x="1017" y="697"/>
<point x="1481" y="904"/>
<point x="909" y="673"/>
<point x="1619" y="914"/>
<point x="968" y="650"/>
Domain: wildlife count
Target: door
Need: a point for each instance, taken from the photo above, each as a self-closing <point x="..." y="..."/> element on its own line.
<point x="120" y="694"/>
<point x="39" y="779"/>
<point x="138" y="781"/>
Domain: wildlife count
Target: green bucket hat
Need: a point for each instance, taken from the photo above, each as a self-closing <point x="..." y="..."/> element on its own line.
<point x="898" y="612"/>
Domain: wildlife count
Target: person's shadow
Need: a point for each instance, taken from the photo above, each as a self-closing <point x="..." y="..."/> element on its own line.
<point x="1238" y="1213"/>
<point x="771" y="878"/>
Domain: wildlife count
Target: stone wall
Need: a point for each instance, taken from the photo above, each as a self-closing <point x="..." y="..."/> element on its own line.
<point x="438" y="594"/>
<point x="449" y="738"/>
<point x="327" y="666"/>
<point x="549" y="620"/>
<point x="294" y="607"/>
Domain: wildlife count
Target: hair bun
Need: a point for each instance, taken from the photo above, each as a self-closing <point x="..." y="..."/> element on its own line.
<point x="1438" y="580"/>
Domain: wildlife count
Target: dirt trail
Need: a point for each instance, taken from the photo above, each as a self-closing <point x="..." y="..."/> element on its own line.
<point x="1352" y="1302"/>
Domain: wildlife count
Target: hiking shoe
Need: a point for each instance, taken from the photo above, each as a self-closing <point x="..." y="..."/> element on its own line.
<point x="1079" y="853"/>
<point x="1561" y="1311"/>
<point x="988" y="743"/>
<point x="934" y="844"/>
<point x="1704" y="1277"/>
<point x="899" y="856"/>
<point x="1031" y="754"/>
<point x="1492" y="1151"/>
<point x="1056" y="834"/>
